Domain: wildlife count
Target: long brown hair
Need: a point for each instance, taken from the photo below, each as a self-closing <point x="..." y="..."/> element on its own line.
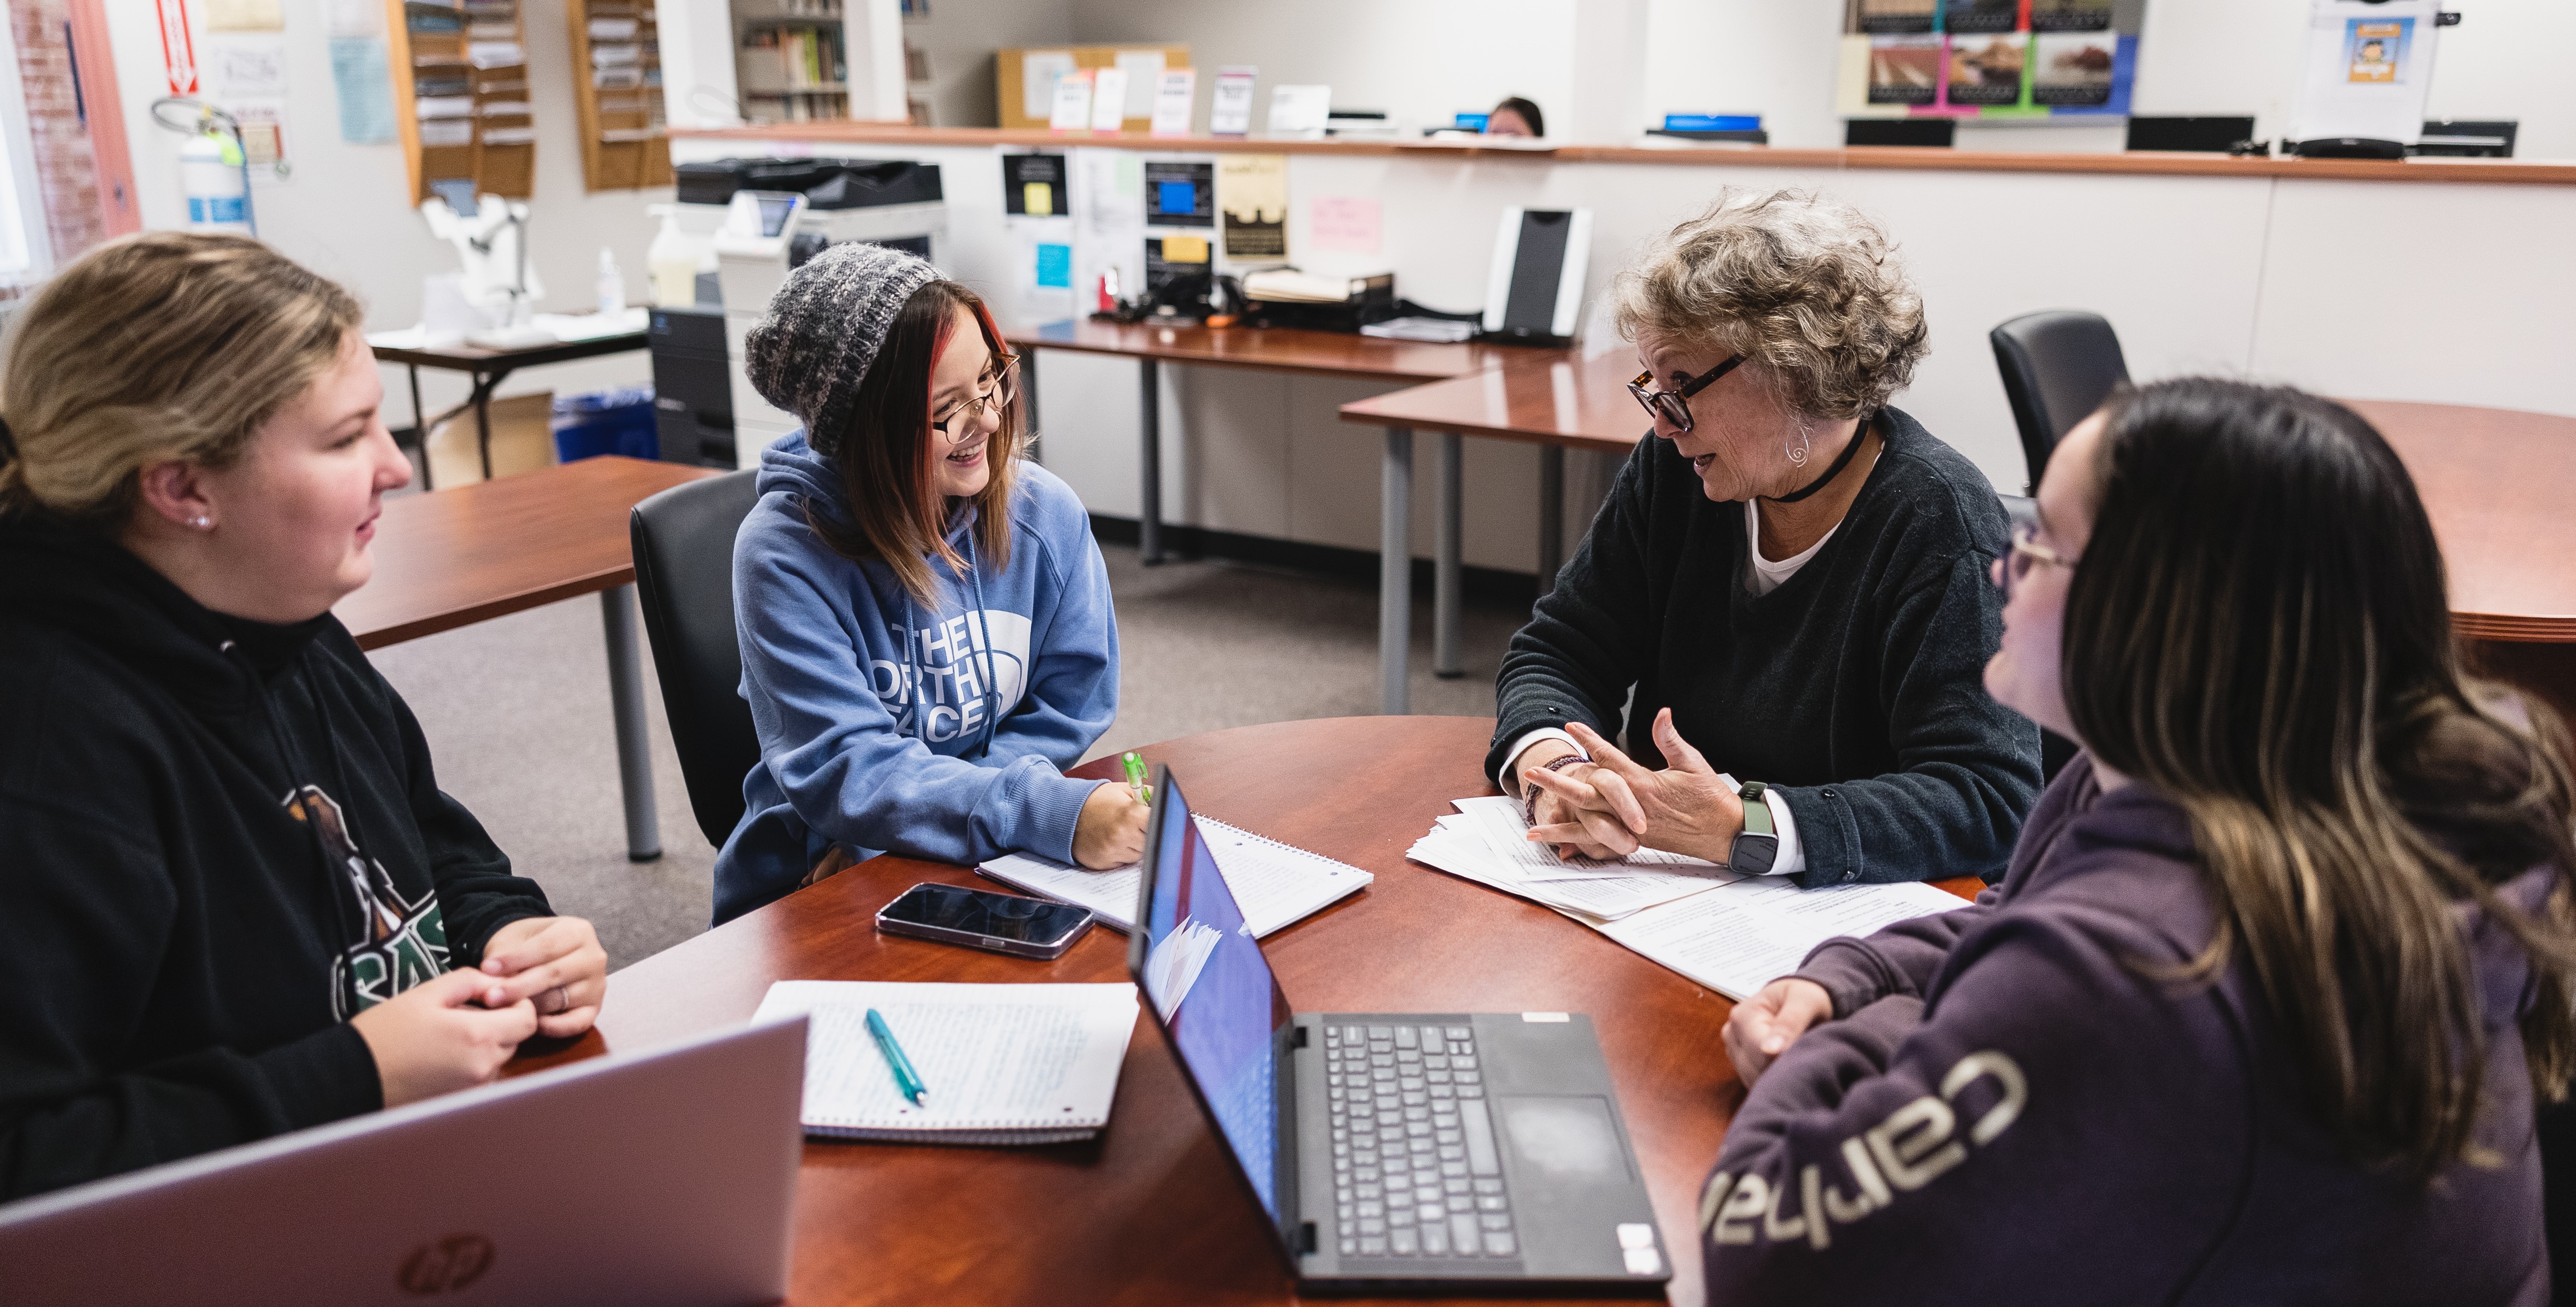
<point x="897" y="515"/>
<point x="163" y="345"/>
<point x="2259" y="628"/>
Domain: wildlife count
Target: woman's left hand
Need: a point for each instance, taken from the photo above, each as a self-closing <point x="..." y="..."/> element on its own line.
<point x="554" y="962"/>
<point x="1686" y="808"/>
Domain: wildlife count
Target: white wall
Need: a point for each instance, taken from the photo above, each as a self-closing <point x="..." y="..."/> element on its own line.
<point x="1420" y="60"/>
<point x="344" y="210"/>
<point x="1778" y="58"/>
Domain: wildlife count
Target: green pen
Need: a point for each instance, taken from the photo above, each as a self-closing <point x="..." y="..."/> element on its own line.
<point x="906" y="1079"/>
<point x="1136" y="778"/>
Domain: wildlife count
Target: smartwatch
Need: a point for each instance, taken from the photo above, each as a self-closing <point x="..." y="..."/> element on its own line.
<point x="1757" y="846"/>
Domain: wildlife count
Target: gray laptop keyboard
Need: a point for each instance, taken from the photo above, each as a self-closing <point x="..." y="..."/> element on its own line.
<point x="1415" y="1173"/>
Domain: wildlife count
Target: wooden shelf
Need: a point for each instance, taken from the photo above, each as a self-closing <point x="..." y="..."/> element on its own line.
<point x="2496" y="171"/>
<point x="434" y="64"/>
<point x="623" y="145"/>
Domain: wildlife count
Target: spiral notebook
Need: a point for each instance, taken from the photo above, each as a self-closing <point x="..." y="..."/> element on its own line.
<point x="1275" y="884"/>
<point x="1004" y="1064"/>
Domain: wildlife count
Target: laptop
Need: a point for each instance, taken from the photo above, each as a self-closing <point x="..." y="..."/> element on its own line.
<point x="1390" y="1151"/>
<point x="662" y="1178"/>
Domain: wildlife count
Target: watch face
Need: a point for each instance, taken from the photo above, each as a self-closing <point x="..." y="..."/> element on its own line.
<point x="1754" y="854"/>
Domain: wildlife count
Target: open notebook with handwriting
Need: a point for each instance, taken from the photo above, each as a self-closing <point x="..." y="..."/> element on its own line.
<point x="1004" y="1064"/>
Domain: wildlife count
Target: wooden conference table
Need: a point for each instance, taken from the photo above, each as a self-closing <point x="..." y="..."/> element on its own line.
<point x="1149" y="1213"/>
<point x="451" y="558"/>
<point x="1331" y="354"/>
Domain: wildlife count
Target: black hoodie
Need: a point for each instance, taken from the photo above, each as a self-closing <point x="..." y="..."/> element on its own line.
<point x="219" y="839"/>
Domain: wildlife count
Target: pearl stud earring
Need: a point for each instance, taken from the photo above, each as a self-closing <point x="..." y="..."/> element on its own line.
<point x="202" y="522"/>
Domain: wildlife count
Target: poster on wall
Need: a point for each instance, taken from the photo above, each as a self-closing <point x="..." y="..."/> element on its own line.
<point x="1180" y="193"/>
<point x="2366" y="70"/>
<point x="1252" y="193"/>
<point x="1992" y="60"/>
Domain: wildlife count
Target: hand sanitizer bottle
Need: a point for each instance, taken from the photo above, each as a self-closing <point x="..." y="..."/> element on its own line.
<point x="612" y="285"/>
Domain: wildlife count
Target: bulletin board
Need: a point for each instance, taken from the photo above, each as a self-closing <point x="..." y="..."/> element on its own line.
<point x="1992" y="60"/>
<point x="1024" y="80"/>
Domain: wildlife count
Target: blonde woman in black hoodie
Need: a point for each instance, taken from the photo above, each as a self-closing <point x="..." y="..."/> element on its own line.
<point x="233" y="901"/>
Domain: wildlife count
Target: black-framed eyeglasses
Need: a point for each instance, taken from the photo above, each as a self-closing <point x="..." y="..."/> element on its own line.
<point x="2025" y="553"/>
<point x="995" y="394"/>
<point x="1674" y="405"/>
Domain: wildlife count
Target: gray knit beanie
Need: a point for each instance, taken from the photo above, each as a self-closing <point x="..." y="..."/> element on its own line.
<point x="824" y="327"/>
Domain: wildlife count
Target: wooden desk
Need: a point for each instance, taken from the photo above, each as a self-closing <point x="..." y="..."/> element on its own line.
<point x="1321" y="353"/>
<point x="1148" y="1213"/>
<point x="488" y="368"/>
<point x="451" y="558"/>
<point x="2496" y="483"/>
<point x="1555" y="400"/>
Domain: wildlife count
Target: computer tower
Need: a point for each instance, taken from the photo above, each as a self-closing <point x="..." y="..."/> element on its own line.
<point x="692" y="386"/>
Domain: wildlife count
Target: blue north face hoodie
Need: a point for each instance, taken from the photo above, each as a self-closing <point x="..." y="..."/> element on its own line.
<point x="890" y="726"/>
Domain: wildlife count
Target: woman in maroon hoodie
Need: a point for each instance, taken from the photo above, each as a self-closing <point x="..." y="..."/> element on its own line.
<point x="2258" y="1011"/>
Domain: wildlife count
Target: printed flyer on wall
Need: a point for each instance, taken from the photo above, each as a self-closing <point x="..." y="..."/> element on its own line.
<point x="2020" y="60"/>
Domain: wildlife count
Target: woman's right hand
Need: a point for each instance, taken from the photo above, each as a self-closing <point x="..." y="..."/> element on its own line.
<point x="435" y="1038"/>
<point x="1111" y="830"/>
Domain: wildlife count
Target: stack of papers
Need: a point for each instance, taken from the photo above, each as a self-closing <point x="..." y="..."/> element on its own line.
<point x="1732" y="933"/>
<point x="1274" y="884"/>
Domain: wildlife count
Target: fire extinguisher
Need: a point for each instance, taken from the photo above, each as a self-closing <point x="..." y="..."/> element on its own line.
<point x="214" y="168"/>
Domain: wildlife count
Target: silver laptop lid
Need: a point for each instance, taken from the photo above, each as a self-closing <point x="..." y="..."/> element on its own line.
<point x="662" y="1178"/>
<point x="1219" y="1005"/>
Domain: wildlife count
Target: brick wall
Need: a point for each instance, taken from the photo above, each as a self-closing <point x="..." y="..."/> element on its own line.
<point x="66" y="170"/>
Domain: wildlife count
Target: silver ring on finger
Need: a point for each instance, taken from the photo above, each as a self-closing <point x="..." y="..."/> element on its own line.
<point x="563" y="1001"/>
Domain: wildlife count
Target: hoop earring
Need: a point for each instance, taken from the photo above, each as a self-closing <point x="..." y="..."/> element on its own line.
<point x="1806" y="446"/>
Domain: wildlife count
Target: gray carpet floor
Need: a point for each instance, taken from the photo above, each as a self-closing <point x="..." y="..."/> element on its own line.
<point x="516" y="712"/>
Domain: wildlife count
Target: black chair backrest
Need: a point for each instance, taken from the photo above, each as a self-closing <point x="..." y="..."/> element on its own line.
<point x="2058" y="367"/>
<point x="684" y="578"/>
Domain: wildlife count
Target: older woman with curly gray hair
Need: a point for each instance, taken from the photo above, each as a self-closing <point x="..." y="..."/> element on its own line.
<point x="1787" y="584"/>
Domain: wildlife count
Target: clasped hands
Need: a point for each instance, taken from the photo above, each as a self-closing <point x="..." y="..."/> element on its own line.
<point x="1610" y="807"/>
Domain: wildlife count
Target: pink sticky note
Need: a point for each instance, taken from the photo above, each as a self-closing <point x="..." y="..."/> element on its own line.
<point x="1348" y="224"/>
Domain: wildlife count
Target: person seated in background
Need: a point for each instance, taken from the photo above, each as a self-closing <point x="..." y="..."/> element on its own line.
<point x="2258" y="1013"/>
<point x="927" y="634"/>
<point x="233" y="901"/>
<point x="1515" y="117"/>
<point x="1788" y="578"/>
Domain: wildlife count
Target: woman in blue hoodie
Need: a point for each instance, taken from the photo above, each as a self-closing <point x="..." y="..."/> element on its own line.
<point x="927" y="634"/>
<point x="2261" y="1009"/>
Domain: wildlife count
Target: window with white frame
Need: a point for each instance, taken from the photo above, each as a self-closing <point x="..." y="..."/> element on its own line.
<point x="25" y="250"/>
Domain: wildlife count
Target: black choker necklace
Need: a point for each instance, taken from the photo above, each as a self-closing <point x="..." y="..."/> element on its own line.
<point x="1859" y="434"/>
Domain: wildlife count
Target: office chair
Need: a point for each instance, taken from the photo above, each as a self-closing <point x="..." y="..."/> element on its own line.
<point x="2058" y="367"/>
<point x="684" y="579"/>
<point x="2055" y="750"/>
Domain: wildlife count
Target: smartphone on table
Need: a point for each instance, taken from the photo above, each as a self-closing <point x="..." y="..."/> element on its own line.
<point x="1004" y="923"/>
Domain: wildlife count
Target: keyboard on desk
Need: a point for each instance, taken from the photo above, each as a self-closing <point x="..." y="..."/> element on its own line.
<point x="1415" y="1170"/>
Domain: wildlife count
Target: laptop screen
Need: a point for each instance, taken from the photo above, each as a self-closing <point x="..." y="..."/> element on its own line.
<point x="1218" y="1002"/>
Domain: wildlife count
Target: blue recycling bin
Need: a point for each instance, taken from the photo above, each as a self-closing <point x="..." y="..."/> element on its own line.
<point x="616" y="421"/>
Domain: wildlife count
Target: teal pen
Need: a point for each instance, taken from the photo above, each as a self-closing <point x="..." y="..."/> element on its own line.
<point x="905" y="1078"/>
<point x="1136" y="778"/>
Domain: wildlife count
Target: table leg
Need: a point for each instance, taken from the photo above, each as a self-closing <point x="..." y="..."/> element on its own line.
<point x="1551" y="516"/>
<point x="1149" y="513"/>
<point x="634" y="747"/>
<point x="1446" y="577"/>
<point x="1395" y="573"/>
<point x="483" y="422"/>
<point x="1029" y="406"/>
<point x="419" y="425"/>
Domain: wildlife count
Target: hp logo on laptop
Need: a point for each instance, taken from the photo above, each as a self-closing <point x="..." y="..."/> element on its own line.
<point x="446" y="1266"/>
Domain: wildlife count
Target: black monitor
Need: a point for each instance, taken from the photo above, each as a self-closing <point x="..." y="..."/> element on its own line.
<point x="2463" y="138"/>
<point x="1939" y="133"/>
<point x="2218" y="135"/>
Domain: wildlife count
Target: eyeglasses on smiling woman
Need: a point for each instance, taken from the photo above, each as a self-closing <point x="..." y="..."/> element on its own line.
<point x="999" y="385"/>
